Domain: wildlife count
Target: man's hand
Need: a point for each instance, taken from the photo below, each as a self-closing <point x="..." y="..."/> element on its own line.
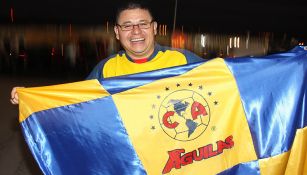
<point x="14" y="96"/>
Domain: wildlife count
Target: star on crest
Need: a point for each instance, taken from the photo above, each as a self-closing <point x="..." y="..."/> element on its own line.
<point x="190" y="84"/>
<point x="151" y="116"/>
<point x="166" y="88"/>
<point x="153" y="127"/>
<point x="216" y="102"/>
<point x="200" y="87"/>
<point x="177" y="84"/>
<point x="209" y="93"/>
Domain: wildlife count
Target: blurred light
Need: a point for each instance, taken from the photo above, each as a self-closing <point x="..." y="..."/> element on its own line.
<point x="247" y="41"/>
<point x="52" y="51"/>
<point x="227" y="50"/>
<point x="62" y="49"/>
<point x="203" y="40"/>
<point x="178" y="40"/>
<point x="12" y="14"/>
<point x="161" y="29"/>
<point x="70" y="29"/>
<point x="238" y="42"/>
<point x="164" y="30"/>
<point x="230" y="43"/>
<point x="107" y="26"/>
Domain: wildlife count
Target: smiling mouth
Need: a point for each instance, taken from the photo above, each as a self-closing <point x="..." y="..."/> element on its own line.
<point x="137" y="39"/>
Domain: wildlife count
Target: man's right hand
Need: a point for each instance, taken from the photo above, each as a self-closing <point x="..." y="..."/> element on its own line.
<point x="14" y="96"/>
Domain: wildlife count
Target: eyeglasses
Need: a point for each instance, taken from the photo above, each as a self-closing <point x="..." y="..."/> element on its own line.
<point x="142" y="25"/>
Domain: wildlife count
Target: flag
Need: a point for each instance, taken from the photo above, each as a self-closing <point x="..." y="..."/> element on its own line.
<point x="223" y="116"/>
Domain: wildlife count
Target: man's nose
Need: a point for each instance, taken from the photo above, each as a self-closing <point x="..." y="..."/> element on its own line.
<point x="136" y="29"/>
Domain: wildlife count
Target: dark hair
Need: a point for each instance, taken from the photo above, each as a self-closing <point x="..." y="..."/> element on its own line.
<point x="133" y="4"/>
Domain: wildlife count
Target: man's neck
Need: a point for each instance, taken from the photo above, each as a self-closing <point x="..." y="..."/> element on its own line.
<point x="144" y="58"/>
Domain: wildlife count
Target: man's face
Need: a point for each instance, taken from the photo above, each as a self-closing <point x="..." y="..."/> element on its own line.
<point x="138" y="43"/>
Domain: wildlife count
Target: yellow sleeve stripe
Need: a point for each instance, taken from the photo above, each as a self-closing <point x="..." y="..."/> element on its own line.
<point x="57" y="95"/>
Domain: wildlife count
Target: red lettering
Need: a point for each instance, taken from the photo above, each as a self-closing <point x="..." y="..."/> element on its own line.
<point x="206" y="152"/>
<point x="197" y="109"/>
<point x="174" y="160"/>
<point x="221" y="146"/>
<point x="202" y="153"/>
<point x="229" y="141"/>
<point x="200" y="156"/>
<point x="178" y="158"/>
<point x="187" y="159"/>
<point x="224" y="145"/>
<point x="166" y="122"/>
<point x="211" y="152"/>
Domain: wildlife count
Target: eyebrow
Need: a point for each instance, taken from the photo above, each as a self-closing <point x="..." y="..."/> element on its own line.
<point x="130" y="22"/>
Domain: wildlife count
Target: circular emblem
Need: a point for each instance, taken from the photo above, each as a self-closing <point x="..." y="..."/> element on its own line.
<point x="184" y="115"/>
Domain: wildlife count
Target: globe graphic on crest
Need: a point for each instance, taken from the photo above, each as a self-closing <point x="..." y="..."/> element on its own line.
<point x="184" y="115"/>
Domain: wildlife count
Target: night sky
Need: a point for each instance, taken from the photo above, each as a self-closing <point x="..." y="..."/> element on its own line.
<point x="254" y="15"/>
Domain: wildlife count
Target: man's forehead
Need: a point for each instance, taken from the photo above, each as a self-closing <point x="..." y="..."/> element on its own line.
<point x="134" y="15"/>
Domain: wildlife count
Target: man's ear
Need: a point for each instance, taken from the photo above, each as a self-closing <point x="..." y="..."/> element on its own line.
<point x="155" y="25"/>
<point x="116" y="32"/>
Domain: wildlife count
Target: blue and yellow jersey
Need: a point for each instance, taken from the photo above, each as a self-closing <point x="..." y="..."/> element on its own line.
<point x="163" y="57"/>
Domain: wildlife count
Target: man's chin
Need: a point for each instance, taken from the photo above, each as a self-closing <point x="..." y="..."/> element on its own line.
<point x="138" y="52"/>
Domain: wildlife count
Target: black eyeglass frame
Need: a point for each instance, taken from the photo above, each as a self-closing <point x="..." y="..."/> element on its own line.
<point x="131" y="26"/>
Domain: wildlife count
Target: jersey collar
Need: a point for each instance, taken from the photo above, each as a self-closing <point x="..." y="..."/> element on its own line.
<point x="156" y="50"/>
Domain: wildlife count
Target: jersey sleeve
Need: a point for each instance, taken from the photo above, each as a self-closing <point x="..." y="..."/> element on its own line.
<point x="96" y="73"/>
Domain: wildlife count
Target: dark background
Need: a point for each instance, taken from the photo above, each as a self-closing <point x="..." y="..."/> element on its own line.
<point x="239" y="15"/>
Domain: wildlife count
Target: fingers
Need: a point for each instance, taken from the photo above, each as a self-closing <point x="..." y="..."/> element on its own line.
<point x="14" y="101"/>
<point x="13" y="92"/>
<point x="14" y="96"/>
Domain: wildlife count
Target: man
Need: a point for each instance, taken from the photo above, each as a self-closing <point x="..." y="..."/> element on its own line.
<point x="136" y="29"/>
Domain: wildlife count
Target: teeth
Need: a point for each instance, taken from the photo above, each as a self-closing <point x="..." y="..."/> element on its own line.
<point x="137" y="39"/>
